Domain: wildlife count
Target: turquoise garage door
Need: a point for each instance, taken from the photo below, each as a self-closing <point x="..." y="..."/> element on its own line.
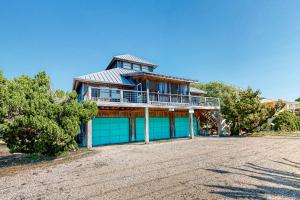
<point x="110" y="131"/>
<point x="159" y="128"/>
<point x="182" y="127"/>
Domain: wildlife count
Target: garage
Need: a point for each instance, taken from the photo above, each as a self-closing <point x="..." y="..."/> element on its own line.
<point x="110" y="131"/>
<point x="182" y="127"/>
<point x="159" y="128"/>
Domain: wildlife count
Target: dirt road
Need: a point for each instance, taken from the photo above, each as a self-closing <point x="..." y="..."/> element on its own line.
<point x="203" y="168"/>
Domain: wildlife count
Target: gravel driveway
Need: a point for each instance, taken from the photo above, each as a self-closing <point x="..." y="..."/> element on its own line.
<point x="203" y="168"/>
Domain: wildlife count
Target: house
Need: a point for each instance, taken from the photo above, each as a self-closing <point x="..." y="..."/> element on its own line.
<point x="137" y="104"/>
<point x="292" y="106"/>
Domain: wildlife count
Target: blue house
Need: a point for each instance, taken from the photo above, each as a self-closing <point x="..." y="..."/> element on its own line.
<point x="137" y="104"/>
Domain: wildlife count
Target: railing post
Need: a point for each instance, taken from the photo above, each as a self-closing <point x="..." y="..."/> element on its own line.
<point x="190" y="99"/>
<point x="121" y="96"/>
<point x="148" y="96"/>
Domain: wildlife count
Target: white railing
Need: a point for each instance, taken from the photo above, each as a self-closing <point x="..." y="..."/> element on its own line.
<point x="112" y="96"/>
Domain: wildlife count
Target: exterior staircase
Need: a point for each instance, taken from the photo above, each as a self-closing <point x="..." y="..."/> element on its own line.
<point x="216" y="121"/>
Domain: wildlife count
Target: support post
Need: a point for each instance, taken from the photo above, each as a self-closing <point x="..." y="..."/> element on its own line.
<point x="89" y="133"/>
<point x="219" y="123"/>
<point x="148" y="91"/>
<point x="121" y="96"/>
<point x="191" y="116"/>
<point x="89" y="93"/>
<point x="146" y="131"/>
<point x="172" y="125"/>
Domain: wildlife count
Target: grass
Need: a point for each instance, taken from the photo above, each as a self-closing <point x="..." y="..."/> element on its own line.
<point x="11" y="164"/>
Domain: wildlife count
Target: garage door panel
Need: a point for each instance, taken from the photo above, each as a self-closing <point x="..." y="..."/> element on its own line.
<point x="159" y="128"/>
<point x="182" y="126"/>
<point x="110" y="131"/>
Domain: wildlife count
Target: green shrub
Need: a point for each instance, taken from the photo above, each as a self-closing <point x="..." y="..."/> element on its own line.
<point x="35" y="119"/>
<point x="286" y="121"/>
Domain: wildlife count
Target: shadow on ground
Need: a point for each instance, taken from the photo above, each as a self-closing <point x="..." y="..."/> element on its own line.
<point x="285" y="184"/>
<point x="23" y="159"/>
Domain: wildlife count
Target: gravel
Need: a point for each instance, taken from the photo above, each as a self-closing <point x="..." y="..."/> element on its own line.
<point x="203" y="168"/>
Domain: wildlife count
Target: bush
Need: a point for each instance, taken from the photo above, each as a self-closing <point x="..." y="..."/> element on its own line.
<point x="286" y="121"/>
<point x="35" y="119"/>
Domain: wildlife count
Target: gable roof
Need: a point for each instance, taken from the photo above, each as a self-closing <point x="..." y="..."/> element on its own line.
<point x="131" y="59"/>
<point x="113" y="76"/>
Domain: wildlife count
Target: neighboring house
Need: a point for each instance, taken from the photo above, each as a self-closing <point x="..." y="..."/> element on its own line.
<point x="292" y="106"/>
<point x="137" y="104"/>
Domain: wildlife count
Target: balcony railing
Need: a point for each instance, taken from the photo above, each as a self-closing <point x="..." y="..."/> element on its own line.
<point x="115" y="96"/>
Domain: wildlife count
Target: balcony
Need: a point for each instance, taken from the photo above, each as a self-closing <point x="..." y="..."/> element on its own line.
<point x="130" y="98"/>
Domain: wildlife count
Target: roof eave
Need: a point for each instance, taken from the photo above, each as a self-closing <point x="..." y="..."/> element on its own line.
<point x="158" y="75"/>
<point x="103" y="82"/>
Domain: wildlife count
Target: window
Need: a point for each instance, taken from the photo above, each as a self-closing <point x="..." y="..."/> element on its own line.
<point x="150" y="69"/>
<point x="184" y="89"/>
<point x="104" y="92"/>
<point x="119" y="64"/>
<point x="145" y="69"/>
<point x="152" y="86"/>
<point x="163" y="88"/>
<point x="95" y="92"/>
<point x="126" y="65"/>
<point x="174" y="88"/>
<point x="136" y="67"/>
<point x="115" y="94"/>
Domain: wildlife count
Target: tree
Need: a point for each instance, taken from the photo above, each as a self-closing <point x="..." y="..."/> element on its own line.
<point x="217" y="89"/>
<point x="39" y="120"/>
<point x="298" y="99"/>
<point x="241" y="109"/>
<point x="3" y="100"/>
<point x="286" y="121"/>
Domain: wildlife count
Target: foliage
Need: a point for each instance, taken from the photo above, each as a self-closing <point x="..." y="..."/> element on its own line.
<point x="242" y="109"/>
<point x="36" y="119"/>
<point x="217" y="89"/>
<point x="286" y="121"/>
<point x="298" y="99"/>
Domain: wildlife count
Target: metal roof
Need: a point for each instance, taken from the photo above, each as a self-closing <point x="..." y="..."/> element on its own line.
<point x="195" y="90"/>
<point x="139" y="73"/>
<point x="113" y="76"/>
<point x="132" y="58"/>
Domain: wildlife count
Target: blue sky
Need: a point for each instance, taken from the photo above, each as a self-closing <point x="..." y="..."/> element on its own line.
<point x="241" y="42"/>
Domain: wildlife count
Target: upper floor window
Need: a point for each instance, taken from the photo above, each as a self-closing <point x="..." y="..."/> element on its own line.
<point x="145" y="69"/>
<point x="126" y="65"/>
<point x="136" y="67"/>
<point x="105" y="92"/>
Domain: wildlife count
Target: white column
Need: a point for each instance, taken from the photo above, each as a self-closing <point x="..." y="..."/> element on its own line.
<point x="146" y="131"/>
<point x="147" y="91"/>
<point x="89" y="132"/>
<point x="191" y="116"/>
<point x="89" y="93"/>
<point x="121" y="96"/>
